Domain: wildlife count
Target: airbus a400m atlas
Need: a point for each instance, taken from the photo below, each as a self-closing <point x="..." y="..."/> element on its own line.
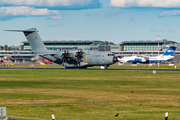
<point x="71" y="58"/>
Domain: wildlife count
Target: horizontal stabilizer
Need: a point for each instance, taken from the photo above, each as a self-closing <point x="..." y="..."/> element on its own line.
<point x="33" y="38"/>
<point x="28" y="30"/>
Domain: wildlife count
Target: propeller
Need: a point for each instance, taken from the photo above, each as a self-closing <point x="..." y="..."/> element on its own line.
<point x="79" y="56"/>
<point x="66" y="56"/>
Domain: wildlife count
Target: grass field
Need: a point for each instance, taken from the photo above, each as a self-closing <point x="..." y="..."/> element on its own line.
<point x="99" y="95"/>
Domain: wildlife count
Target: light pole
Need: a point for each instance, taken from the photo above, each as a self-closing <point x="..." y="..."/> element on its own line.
<point x="158" y="49"/>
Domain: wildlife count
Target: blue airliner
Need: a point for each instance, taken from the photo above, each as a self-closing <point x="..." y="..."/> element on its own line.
<point x="145" y="59"/>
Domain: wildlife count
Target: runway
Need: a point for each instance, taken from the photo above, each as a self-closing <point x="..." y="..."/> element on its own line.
<point x="89" y="69"/>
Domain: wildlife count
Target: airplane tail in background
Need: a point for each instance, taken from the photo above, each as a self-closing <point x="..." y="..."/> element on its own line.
<point x="170" y="51"/>
<point x="33" y="38"/>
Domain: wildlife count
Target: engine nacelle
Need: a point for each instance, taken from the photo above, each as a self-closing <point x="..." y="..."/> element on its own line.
<point x="143" y="60"/>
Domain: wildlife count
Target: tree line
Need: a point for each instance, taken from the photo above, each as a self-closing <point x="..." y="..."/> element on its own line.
<point x="6" y="47"/>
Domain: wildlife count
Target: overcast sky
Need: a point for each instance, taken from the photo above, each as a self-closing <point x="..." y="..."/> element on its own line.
<point x="106" y="20"/>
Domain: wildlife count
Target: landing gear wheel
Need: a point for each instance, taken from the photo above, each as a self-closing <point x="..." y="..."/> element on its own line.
<point x="104" y="67"/>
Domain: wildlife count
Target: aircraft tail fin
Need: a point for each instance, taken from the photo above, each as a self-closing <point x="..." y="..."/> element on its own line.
<point x="170" y="51"/>
<point x="33" y="38"/>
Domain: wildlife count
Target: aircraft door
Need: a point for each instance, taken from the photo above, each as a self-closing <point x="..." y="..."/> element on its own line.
<point x="90" y="60"/>
<point x="103" y="61"/>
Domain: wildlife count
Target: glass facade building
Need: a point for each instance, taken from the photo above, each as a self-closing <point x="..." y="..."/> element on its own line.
<point x="61" y="45"/>
<point x="145" y="45"/>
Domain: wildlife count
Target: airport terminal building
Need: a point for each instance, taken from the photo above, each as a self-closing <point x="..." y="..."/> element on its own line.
<point x="97" y="45"/>
<point x="61" y="45"/>
<point x="146" y="45"/>
<point x="17" y="56"/>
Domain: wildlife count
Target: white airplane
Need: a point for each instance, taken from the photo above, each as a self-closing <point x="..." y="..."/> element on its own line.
<point x="161" y="58"/>
<point x="145" y="59"/>
<point x="131" y="59"/>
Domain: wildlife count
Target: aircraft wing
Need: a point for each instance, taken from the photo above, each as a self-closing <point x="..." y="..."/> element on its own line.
<point x="145" y="57"/>
<point x="47" y="52"/>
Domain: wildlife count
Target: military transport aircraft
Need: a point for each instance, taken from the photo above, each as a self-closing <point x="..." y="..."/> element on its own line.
<point x="68" y="59"/>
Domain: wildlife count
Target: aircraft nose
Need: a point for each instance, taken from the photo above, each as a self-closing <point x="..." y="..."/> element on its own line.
<point x="115" y="59"/>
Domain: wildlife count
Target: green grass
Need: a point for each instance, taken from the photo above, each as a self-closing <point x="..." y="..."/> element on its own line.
<point x="36" y="94"/>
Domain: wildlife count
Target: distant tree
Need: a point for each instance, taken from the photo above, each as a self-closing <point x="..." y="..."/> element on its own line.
<point x="106" y="42"/>
<point x="164" y="39"/>
<point x="111" y="43"/>
<point x="6" y="47"/>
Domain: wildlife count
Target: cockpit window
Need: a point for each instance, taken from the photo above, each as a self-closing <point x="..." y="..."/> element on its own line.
<point x="110" y="54"/>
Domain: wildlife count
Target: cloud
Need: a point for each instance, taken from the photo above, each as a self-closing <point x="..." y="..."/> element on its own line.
<point x="57" y="4"/>
<point x="146" y="3"/>
<point x="170" y="13"/>
<point x="11" y="9"/>
<point x="29" y="11"/>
